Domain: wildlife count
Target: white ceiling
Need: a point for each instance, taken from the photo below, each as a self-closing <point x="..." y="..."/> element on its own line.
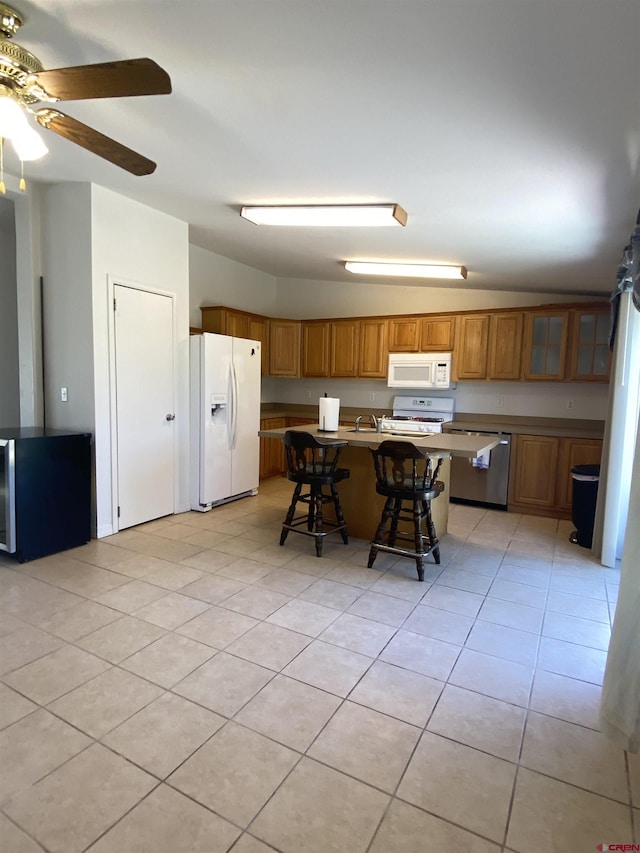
<point x="509" y="130"/>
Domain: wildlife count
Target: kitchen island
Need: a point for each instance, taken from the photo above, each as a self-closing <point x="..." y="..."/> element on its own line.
<point x="361" y="503"/>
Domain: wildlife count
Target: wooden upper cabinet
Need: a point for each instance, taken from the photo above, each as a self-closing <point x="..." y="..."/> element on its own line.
<point x="225" y="321"/>
<point x="404" y="334"/>
<point x="214" y="320"/>
<point x="505" y="345"/>
<point x="259" y="331"/>
<point x="314" y="358"/>
<point x="239" y="324"/>
<point x="590" y="357"/>
<point x="284" y="348"/>
<point x="374" y="353"/>
<point x="472" y="340"/>
<point x="344" y="347"/>
<point x="545" y="344"/>
<point x="437" y="334"/>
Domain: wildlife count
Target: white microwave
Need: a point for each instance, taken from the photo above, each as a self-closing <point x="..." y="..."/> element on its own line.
<point x="419" y="370"/>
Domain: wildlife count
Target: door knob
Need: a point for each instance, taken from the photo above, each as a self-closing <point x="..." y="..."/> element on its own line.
<point x="171" y="417"/>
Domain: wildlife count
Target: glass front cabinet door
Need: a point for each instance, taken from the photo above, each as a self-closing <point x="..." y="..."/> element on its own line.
<point x="590" y="354"/>
<point x="546" y="337"/>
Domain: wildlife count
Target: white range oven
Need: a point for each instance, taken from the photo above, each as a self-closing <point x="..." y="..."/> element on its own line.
<point x="418" y="416"/>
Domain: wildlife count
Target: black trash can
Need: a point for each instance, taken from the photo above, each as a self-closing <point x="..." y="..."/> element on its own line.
<point x="585" y="493"/>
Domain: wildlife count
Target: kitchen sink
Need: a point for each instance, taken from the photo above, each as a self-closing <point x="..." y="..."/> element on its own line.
<point x="362" y="429"/>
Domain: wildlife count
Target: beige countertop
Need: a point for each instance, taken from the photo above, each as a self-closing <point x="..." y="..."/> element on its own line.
<point x="440" y="445"/>
<point x="514" y="424"/>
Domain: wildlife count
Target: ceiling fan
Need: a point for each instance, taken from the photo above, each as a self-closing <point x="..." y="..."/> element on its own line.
<point x="24" y="80"/>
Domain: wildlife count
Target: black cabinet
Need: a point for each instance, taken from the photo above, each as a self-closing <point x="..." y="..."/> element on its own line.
<point x="45" y="491"/>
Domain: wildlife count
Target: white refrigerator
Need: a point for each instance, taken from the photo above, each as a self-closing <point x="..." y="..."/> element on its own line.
<point x="225" y="419"/>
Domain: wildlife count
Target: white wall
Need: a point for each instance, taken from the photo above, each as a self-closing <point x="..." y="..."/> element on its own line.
<point x="522" y="399"/>
<point x="91" y="236"/>
<point x="67" y="307"/>
<point x="300" y="298"/>
<point x="214" y="280"/>
<point x="27" y="262"/>
<point x="135" y="244"/>
<point x="9" y="369"/>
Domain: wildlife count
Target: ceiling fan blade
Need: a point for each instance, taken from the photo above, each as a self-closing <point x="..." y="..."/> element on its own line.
<point x="96" y="142"/>
<point x="122" y="79"/>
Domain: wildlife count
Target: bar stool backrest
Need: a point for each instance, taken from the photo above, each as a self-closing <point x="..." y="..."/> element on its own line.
<point x="401" y="466"/>
<point x="309" y="457"/>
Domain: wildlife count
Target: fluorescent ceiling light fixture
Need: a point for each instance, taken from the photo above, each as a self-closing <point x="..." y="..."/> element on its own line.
<point x="327" y="215"/>
<point x="398" y="268"/>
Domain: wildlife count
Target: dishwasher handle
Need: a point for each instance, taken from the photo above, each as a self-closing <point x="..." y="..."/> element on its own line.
<point x="505" y="441"/>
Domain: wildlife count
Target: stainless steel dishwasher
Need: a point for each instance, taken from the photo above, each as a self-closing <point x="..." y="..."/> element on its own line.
<point x="484" y="482"/>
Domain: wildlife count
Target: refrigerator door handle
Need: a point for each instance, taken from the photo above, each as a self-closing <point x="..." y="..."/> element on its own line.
<point x="235" y="407"/>
<point x="230" y="408"/>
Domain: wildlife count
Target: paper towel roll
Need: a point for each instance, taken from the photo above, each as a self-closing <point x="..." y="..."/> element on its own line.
<point x="329" y="412"/>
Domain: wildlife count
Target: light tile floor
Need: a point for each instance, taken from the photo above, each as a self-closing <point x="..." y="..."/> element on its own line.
<point x="188" y="685"/>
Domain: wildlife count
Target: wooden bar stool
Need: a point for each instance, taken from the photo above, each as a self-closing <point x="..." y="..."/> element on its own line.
<point x="313" y="463"/>
<point x="405" y="478"/>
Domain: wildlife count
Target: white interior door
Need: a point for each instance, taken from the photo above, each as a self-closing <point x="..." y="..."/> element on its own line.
<point x="143" y="323"/>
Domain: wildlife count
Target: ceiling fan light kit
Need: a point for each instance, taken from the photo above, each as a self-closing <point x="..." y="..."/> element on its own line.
<point x="326" y="215"/>
<point x="24" y="83"/>
<point x="12" y="117"/>
<point x="408" y="270"/>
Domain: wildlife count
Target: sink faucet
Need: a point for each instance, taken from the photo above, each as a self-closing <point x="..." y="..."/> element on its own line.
<point x="373" y="419"/>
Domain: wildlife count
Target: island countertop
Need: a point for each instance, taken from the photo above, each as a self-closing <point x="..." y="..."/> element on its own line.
<point x="436" y="445"/>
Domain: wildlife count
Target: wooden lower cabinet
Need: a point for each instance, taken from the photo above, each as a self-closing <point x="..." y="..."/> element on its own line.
<point x="272" y="460"/>
<point x="574" y="451"/>
<point x="272" y="456"/>
<point x="536" y="464"/>
<point x="541" y="474"/>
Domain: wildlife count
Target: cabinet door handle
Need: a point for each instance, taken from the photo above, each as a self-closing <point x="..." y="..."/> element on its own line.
<point x="171" y="417"/>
